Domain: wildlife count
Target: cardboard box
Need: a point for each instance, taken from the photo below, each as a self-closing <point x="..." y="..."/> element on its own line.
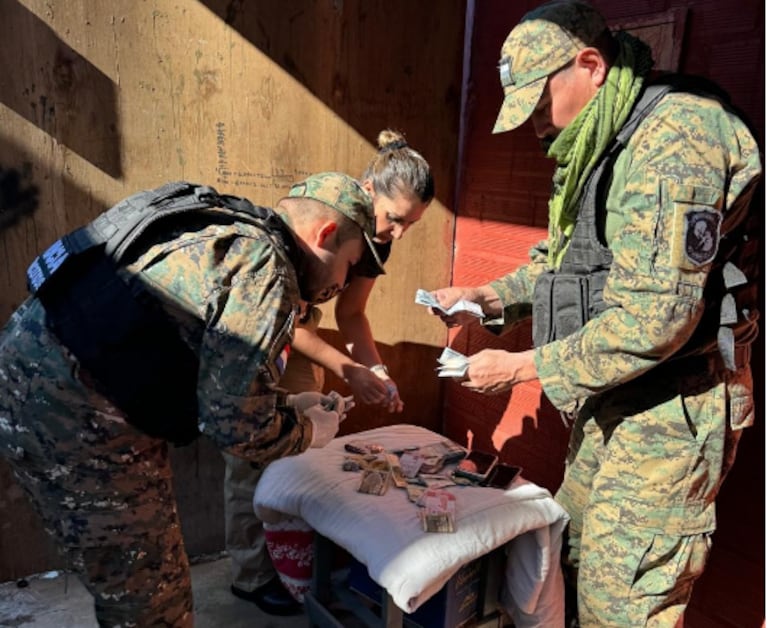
<point x="459" y="603"/>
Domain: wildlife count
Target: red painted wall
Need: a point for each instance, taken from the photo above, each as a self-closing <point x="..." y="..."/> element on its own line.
<point x="503" y="189"/>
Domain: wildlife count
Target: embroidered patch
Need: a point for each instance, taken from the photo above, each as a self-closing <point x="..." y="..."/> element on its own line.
<point x="701" y="236"/>
<point x="504" y="67"/>
<point x="282" y="358"/>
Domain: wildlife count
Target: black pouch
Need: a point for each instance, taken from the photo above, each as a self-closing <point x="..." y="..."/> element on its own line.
<point x="560" y="306"/>
<point x="570" y="300"/>
<point x="128" y="347"/>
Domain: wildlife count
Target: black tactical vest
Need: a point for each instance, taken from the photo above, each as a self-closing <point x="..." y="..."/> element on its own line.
<point x="566" y="298"/>
<point x="119" y="333"/>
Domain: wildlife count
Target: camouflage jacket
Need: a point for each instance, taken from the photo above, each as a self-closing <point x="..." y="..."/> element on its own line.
<point x="234" y="296"/>
<point x="689" y="150"/>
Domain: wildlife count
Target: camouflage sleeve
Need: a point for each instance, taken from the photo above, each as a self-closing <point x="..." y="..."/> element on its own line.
<point x="664" y="212"/>
<point x="515" y="291"/>
<point x="243" y="354"/>
<point x="245" y="292"/>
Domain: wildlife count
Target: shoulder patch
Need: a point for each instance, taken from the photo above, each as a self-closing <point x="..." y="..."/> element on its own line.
<point x="701" y="234"/>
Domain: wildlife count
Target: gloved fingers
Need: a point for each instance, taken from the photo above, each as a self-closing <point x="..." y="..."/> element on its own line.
<point x="326" y="424"/>
<point x="333" y="402"/>
<point x="303" y="400"/>
<point x="336" y="402"/>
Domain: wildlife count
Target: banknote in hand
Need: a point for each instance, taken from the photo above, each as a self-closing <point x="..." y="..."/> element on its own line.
<point x="423" y="297"/>
<point x="452" y="363"/>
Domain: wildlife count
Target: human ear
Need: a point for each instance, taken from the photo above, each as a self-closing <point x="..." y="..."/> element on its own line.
<point x="325" y="231"/>
<point x="592" y="61"/>
<point x="368" y="186"/>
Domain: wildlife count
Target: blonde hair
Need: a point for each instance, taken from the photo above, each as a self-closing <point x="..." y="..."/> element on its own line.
<point x="398" y="168"/>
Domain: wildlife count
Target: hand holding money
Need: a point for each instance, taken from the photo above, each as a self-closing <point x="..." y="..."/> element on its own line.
<point x="335" y="402"/>
<point x="458" y="306"/>
<point x="492" y="371"/>
<point x="452" y="364"/>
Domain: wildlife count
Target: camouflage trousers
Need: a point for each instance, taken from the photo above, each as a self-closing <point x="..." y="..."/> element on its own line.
<point x="642" y="476"/>
<point x="244" y="533"/>
<point x="102" y="488"/>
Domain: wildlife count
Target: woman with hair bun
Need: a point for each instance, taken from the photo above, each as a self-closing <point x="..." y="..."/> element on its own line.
<point x="400" y="183"/>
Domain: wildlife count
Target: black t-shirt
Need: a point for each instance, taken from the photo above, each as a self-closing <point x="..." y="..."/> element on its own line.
<point x="367" y="265"/>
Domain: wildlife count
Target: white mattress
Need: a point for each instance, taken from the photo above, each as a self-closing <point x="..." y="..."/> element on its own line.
<point x="384" y="532"/>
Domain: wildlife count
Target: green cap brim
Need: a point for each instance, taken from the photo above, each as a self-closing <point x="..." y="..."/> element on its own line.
<point x="518" y="105"/>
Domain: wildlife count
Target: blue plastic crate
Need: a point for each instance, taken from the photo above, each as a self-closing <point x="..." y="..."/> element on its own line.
<point x="454" y="606"/>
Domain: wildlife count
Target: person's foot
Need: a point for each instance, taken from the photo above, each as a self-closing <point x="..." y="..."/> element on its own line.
<point x="271" y="598"/>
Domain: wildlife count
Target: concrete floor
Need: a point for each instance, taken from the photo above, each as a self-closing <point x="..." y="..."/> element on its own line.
<point x="58" y="600"/>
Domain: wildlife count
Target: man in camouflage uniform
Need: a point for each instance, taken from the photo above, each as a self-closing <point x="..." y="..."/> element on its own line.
<point x="230" y="287"/>
<point x="642" y="302"/>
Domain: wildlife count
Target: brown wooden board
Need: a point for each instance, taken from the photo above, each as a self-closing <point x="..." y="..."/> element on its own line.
<point x="101" y="99"/>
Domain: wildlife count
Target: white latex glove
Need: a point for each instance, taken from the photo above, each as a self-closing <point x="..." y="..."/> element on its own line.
<point x="326" y="424"/>
<point x="304" y="400"/>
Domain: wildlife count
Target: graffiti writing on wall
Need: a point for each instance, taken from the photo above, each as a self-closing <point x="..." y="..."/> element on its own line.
<point x="277" y="179"/>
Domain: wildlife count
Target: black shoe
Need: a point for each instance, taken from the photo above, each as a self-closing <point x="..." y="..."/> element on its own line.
<point x="271" y="598"/>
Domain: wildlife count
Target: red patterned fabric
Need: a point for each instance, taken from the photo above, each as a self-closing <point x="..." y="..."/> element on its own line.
<point x="290" y="545"/>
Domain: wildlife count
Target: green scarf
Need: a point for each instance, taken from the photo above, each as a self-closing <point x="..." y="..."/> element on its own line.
<point x="579" y="146"/>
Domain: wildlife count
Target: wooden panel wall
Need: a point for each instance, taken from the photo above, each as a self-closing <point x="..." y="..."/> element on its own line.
<point x="504" y="187"/>
<point x="100" y="99"/>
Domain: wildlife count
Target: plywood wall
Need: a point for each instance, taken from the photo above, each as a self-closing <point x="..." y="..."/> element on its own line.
<point x="100" y="99"/>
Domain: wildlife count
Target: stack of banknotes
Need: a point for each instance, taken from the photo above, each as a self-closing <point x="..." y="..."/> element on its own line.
<point x="452" y="363"/>
<point x="424" y="297"/>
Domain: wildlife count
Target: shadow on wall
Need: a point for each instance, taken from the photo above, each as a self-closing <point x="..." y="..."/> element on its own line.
<point x="522" y="429"/>
<point x="344" y="53"/>
<point x="18" y="194"/>
<point x="22" y="194"/>
<point x="413" y="367"/>
<point x="65" y="95"/>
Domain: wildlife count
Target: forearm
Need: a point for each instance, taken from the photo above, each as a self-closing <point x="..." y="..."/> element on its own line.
<point x="359" y="340"/>
<point x="321" y="352"/>
<point x="514" y="290"/>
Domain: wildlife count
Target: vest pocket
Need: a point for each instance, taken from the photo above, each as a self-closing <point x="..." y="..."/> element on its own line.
<point x="560" y="306"/>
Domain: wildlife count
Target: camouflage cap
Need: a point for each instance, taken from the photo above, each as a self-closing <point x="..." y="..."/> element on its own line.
<point x="545" y="40"/>
<point x="344" y="194"/>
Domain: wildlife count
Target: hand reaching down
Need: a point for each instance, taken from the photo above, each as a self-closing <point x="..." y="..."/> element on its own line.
<point x="326" y="424"/>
